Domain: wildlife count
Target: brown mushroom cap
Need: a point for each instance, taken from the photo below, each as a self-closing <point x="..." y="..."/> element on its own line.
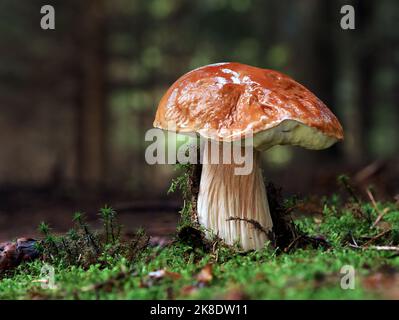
<point x="226" y="101"/>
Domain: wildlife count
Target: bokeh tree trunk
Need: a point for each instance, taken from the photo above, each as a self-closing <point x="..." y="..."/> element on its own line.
<point x="366" y="66"/>
<point x="92" y="113"/>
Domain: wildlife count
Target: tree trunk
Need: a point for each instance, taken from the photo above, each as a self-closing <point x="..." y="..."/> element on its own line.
<point x="91" y="113"/>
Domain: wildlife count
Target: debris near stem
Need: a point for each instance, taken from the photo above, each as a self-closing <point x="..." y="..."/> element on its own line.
<point x="194" y="178"/>
<point x="189" y="230"/>
<point x="284" y="230"/>
<point x="193" y="237"/>
<point x="188" y="183"/>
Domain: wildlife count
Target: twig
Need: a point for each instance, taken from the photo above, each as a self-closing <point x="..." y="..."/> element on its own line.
<point x="354" y="240"/>
<point x="40" y="281"/>
<point x="381" y="234"/>
<point x="355" y="246"/>
<point x="374" y="203"/>
<point x="369" y="171"/>
<point x="385" y="248"/>
<point x="255" y="223"/>
<point x="288" y="248"/>
<point x="384" y="212"/>
<point x="370" y="195"/>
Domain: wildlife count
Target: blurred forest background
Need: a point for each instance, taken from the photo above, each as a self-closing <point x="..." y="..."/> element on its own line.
<point x="76" y="101"/>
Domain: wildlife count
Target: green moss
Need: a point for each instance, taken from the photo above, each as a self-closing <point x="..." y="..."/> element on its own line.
<point x="304" y="273"/>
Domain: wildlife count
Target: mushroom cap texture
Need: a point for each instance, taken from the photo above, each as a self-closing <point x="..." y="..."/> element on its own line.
<point x="226" y="101"/>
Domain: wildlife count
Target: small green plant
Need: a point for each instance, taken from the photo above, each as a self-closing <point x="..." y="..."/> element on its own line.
<point x="181" y="182"/>
<point x="50" y="241"/>
<point x="44" y="228"/>
<point x="89" y="237"/>
<point x="344" y="181"/>
<point x="82" y="247"/>
<point x="111" y="228"/>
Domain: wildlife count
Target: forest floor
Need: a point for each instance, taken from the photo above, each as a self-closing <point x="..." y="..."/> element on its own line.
<point x="353" y="254"/>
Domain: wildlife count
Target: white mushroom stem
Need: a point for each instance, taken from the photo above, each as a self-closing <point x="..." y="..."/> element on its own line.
<point x="234" y="207"/>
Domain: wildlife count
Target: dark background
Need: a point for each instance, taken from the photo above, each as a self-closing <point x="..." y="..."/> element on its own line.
<point x="76" y="101"/>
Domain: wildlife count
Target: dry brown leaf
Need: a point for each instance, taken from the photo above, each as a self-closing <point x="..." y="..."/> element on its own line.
<point x="188" y="290"/>
<point x="235" y="293"/>
<point x="205" y="275"/>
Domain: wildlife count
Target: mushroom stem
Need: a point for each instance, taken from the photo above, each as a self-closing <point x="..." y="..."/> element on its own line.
<point x="234" y="207"/>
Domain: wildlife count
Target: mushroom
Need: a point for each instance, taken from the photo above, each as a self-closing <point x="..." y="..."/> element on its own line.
<point x="226" y="102"/>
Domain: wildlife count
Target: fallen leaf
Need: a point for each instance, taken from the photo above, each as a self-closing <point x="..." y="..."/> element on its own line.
<point x="162" y="273"/>
<point x="235" y="293"/>
<point x="155" y="276"/>
<point x="188" y="290"/>
<point x="205" y="275"/>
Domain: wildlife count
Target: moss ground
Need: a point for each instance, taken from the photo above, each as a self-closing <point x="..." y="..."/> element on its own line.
<point x="183" y="271"/>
